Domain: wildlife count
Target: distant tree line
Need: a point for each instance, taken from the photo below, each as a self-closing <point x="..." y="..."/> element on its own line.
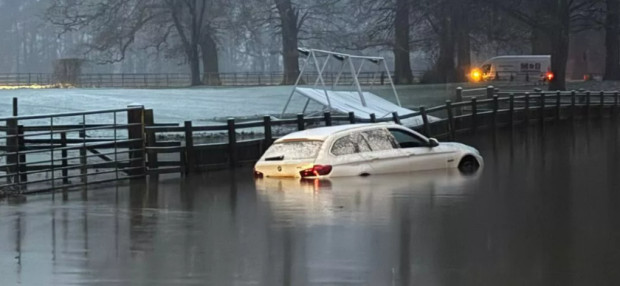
<point x="206" y="37"/>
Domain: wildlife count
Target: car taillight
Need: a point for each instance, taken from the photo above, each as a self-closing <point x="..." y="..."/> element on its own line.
<point x="258" y="174"/>
<point x="316" y="171"/>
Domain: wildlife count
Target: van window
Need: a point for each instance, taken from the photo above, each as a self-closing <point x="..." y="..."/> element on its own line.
<point x="350" y="144"/>
<point x="294" y="150"/>
<point x="380" y="139"/>
<point x="408" y="140"/>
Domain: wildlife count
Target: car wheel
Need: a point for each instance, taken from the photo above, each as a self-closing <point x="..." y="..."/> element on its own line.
<point x="469" y="165"/>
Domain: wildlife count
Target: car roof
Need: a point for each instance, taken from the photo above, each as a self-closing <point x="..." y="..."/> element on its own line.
<point x="322" y="133"/>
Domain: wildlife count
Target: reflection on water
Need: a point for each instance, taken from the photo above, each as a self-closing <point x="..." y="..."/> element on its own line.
<point x="544" y="211"/>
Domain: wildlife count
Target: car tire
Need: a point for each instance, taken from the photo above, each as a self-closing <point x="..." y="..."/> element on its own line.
<point x="469" y="165"/>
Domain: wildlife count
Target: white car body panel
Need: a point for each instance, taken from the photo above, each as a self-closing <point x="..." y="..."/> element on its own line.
<point x="365" y="162"/>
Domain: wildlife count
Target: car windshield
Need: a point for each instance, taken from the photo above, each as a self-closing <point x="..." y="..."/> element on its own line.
<point x="295" y="150"/>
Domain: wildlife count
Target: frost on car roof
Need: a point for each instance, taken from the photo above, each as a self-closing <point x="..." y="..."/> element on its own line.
<point x="322" y="133"/>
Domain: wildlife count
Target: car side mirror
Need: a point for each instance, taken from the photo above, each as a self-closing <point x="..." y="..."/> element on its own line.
<point x="432" y="142"/>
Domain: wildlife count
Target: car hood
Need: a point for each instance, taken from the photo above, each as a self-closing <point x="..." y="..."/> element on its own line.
<point x="460" y="146"/>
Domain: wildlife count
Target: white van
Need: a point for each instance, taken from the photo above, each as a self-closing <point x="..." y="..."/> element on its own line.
<point x="514" y="68"/>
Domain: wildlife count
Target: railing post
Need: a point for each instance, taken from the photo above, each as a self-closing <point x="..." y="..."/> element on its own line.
<point x="573" y="100"/>
<point x="232" y="142"/>
<point x="474" y="114"/>
<point x="511" y="107"/>
<point x="527" y="109"/>
<point x="268" y="134"/>
<point x="395" y="117"/>
<point x="301" y="125"/>
<point x="451" y="130"/>
<point x="64" y="155"/>
<point x="426" y="127"/>
<point x="558" y="106"/>
<point x="190" y="160"/>
<point x="135" y="131"/>
<point x="373" y="118"/>
<point x="495" y="111"/>
<point x="490" y="91"/>
<point x="352" y="117"/>
<point x="328" y="118"/>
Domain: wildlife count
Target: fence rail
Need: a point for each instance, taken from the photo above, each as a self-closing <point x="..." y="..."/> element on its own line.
<point x="134" y="146"/>
<point x="168" y="80"/>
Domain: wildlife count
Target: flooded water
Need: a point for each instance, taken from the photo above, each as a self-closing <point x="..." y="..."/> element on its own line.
<point x="545" y="210"/>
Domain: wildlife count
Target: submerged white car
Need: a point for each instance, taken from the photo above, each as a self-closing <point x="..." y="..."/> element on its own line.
<point x="361" y="150"/>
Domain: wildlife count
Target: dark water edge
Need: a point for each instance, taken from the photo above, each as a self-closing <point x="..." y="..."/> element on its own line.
<point x="545" y="210"/>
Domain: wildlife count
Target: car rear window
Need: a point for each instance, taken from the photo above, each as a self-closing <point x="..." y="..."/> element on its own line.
<point x="294" y="150"/>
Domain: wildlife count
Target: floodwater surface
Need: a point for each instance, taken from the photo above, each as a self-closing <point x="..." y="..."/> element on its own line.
<point x="545" y="210"/>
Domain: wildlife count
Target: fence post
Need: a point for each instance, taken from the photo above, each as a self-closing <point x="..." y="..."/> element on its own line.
<point x="451" y="132"/>
<point x="301" y="125"/>
<point x="495" y="109"/>
<point x="395" y="117"/>
<point x="15" y="106"/>
<point x="512" y="110"/>
<point x="527" y="109"/>
<point x="373" y="118"/>
<point x="542" y="107"/>
<point x="328" y="118"/>
<point x="490" y="91"/>
<point x="425" y="126"/>
<point x="602" y="103"/>
<point x="573" y="100"/>
<point x="135" y="132"/>
<point x="151" y="140"/>
<point x="64" y="155"/>
<point x="23" y="178"/>
<point x="459" y="98"/>
<point x="558" y="105"/>
<point x="615" y="109"/>
<point x="12" y="150"/>
<point x="232" y="142"/>
<point x="352" y="117"/>
<point x="268" y="134"/>
<point x="189" y="148"/>
<point x="588" y="94"/>
<point x="474" y="114"/>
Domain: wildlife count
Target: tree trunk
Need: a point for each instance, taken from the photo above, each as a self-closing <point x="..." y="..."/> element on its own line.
<point x="290" y="32"/>
<point x="612" y="41"/>
<point x="559" y="45"/>
<point x="210" y="63"/>
<point x="463" y="53"/>
<point x="445" y="63"/>
<point x="402" y="61"/>
<point x="540" y="42"/>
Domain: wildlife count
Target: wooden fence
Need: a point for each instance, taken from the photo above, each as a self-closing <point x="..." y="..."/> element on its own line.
<point x="136" y="146"/>
<point x="170" y="80"/>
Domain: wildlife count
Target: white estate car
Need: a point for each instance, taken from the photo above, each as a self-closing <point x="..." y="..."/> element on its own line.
<point x="361" y="150"/>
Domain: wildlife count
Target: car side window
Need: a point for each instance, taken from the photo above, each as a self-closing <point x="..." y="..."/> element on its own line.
<point x="408" y="140"/>
<point x="350" y="144"/>
<point x="380" y="139"/>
